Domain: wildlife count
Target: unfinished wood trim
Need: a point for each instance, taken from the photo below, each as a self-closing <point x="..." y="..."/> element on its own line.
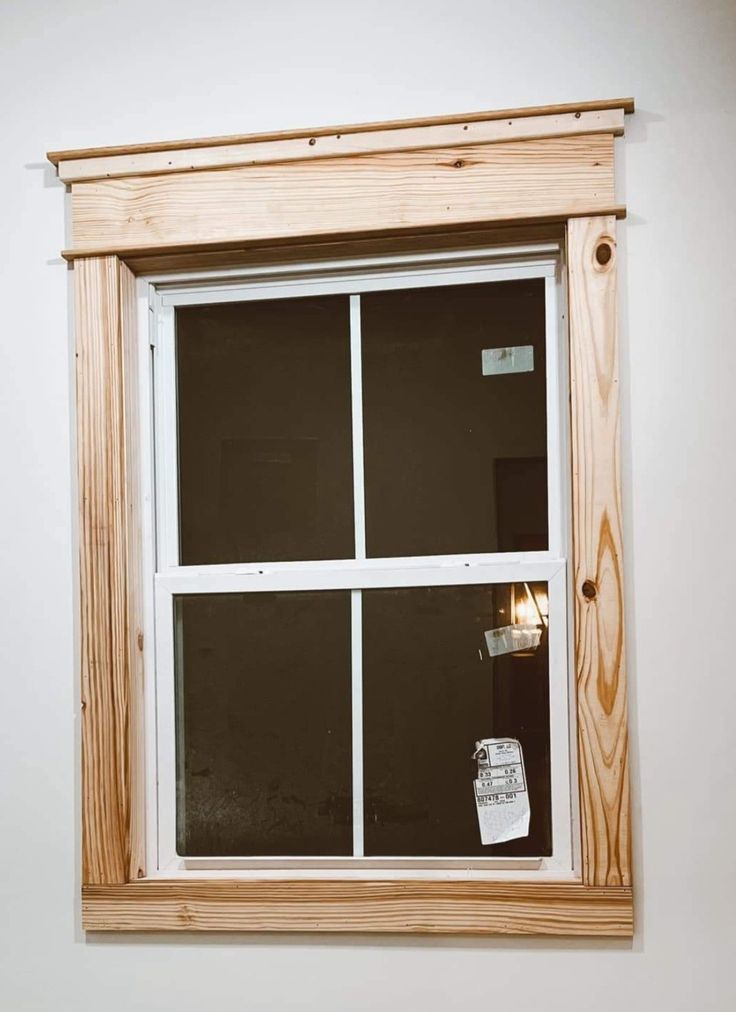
<point x="176" y="252"/>
<point x="494" y="192"/>
<point x="556" y="177"/>
<point x="337" y="145"/>
<point x="134" y="548"/>
<point x="625" y="104"/>
<point x="112" y="834"/>
<point x="597" y="553"/>
<point x="415" y="907"/>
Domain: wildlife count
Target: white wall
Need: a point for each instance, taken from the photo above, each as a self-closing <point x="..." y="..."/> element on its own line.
<point x="77" y="73"/>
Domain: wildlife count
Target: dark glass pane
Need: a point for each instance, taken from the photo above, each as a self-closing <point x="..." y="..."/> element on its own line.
<point x="264" y="724"/>
<point x="431" y="690"/>
<point x="265" y="446"/>
<point x="452" y="453"/>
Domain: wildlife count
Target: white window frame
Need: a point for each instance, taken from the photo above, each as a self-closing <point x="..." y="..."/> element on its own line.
<point x="164" y="577"/>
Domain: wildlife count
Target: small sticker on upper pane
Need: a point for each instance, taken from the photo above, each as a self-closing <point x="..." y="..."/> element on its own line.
<point x="501" y="361"/>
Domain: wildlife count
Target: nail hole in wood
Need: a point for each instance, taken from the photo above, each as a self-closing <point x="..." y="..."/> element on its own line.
<point x="590" y="590"/>
<point x="603" y="252"/>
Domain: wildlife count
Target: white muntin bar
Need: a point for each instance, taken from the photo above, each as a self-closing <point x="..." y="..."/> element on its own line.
<point x="387" y="562"/>
<point x="356" y="614"/>
<point x="357" y="578"/>
<point x="356" y="598"/>
<point x="356" y="384"/>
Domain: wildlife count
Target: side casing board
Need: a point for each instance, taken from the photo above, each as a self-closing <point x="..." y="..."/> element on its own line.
<point x="597" y="553"/>
<point x="111" y="632"/>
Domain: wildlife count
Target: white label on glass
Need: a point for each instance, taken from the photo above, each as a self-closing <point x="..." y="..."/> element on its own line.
<point x="498" y="361"/>
<point x="501" y="793"/>
<point x="510" y="638"/>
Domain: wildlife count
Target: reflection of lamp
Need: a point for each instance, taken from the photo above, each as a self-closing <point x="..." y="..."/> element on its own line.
<point x="528" y="607"/>
<point x="529" y="618"/>
<point x="529" y="615"/>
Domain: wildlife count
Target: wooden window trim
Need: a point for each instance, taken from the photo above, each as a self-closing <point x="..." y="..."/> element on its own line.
<point x="397" y="185"/>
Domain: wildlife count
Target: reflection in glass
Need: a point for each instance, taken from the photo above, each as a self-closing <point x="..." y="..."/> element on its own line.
<point x="455" y="427"/>
<point x="263" y="704"/>
<point x="431" y="689"/>
<point x="264" y="420"/>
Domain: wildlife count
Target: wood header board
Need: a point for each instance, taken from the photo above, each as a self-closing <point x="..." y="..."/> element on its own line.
<point x="546" y="164"/>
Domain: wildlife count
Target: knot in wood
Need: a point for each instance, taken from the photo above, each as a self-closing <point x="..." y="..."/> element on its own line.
<point x="603" y="252"/>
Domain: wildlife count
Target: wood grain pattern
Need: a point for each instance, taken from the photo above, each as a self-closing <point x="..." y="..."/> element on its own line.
<point x="193" y="250"/>
<point x="103" y="311"/>
<point x="597" y="553"/>
<point x="557" y="177"/>
<point x="337" y="145"/>
<point x="625" y="104"/>
<point x="360" y="906"/>
<point x="134" y="573"/>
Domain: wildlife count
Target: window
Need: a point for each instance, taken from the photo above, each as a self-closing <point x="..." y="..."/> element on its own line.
<point x="318" y="560"/>
<point x="360" y="480"/>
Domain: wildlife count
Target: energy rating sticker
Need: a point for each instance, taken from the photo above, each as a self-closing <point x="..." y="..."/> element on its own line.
<point x="501" y="794"/>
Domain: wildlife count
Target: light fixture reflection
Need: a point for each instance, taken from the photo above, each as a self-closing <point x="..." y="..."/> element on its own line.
<point x="529" y="607"/>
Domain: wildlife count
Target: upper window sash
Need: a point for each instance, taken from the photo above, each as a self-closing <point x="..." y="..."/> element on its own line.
<point x="358" y="277"/>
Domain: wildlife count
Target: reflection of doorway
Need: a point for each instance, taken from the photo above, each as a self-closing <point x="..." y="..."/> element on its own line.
<point x="521" y="504"/>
